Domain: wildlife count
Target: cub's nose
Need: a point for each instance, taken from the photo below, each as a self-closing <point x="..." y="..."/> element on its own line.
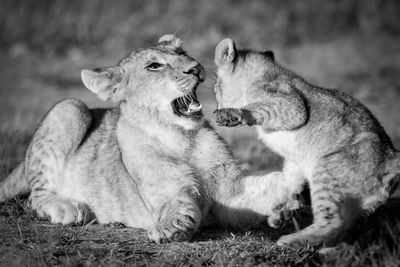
<point x="196" y="70"/>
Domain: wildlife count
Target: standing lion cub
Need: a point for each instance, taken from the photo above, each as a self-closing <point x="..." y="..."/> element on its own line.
<point x="326" y="137"/>
<point x="152" y="163"/>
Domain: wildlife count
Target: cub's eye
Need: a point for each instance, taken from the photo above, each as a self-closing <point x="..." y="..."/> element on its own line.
<point x="155" y="66"/>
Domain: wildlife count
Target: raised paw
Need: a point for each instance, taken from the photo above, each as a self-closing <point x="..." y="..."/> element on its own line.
<point x="177" y="222"/>
<point x="229" y="117"/>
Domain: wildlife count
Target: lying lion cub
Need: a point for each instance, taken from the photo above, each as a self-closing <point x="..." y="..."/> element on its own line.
<point x="327" y="138"/>
<point x="152" y="163"/>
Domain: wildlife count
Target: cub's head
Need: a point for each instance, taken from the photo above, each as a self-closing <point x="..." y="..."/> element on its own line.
<point x="239" y="72"/>
<point x="159" y="80"/>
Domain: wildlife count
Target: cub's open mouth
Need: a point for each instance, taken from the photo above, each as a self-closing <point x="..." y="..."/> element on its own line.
<point x="187" y="106"/>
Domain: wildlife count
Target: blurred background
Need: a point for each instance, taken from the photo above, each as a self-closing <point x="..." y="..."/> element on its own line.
<point x="353" y="45"/>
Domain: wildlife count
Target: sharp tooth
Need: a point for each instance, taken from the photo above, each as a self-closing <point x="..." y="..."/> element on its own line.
<point x="194" y="107"/>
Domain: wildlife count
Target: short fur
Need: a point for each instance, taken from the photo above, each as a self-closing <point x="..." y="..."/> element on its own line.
<point x="326" y="137"/>
<point x="140" y="164"/>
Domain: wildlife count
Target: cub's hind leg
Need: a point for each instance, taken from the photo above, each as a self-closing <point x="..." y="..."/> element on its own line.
<point x="294" y="181"/>
<point x="327" y="200"/>
<point x="57" y="137"/>
<point x="354" y="180"/>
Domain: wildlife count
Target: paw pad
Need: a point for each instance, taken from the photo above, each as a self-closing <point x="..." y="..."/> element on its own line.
<point x="229" y="117"/>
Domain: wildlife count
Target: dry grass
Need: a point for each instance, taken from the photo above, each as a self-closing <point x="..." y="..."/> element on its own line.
<point x="349" y="44"/>
<point x="28" y="240"/>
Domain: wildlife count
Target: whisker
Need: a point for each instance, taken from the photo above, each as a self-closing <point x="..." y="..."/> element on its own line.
<point x="184" y="83"/>
<point x="183" y="36"/>
<point x="207" y="59"/>
<point x="191" y="96"/>
<point x="185" y="100"/>
<point x="177" y="30"/>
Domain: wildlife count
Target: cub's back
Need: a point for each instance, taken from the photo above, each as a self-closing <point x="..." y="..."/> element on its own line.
<point x="338" y="116"/>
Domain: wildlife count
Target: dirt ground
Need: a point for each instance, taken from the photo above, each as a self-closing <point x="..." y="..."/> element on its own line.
<point x="367" y="68"/>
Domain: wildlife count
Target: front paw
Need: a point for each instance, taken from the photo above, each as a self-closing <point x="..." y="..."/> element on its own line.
<point x="229" y="117"/>
<point x="177" y="222"/>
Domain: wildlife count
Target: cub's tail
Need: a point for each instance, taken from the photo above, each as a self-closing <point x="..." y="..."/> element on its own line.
<point x="14" y="184"/>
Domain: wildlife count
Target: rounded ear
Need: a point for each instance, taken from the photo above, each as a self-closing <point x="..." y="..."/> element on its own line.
<point x="269" y="54"/>
<point x="170" y="38"/>
<point x="104" y="82"/>
<point x="225" y="52"/>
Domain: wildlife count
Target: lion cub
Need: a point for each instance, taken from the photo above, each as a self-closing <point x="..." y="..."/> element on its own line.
<point x="326" y="137"/>
<point x="153" y="162"/>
